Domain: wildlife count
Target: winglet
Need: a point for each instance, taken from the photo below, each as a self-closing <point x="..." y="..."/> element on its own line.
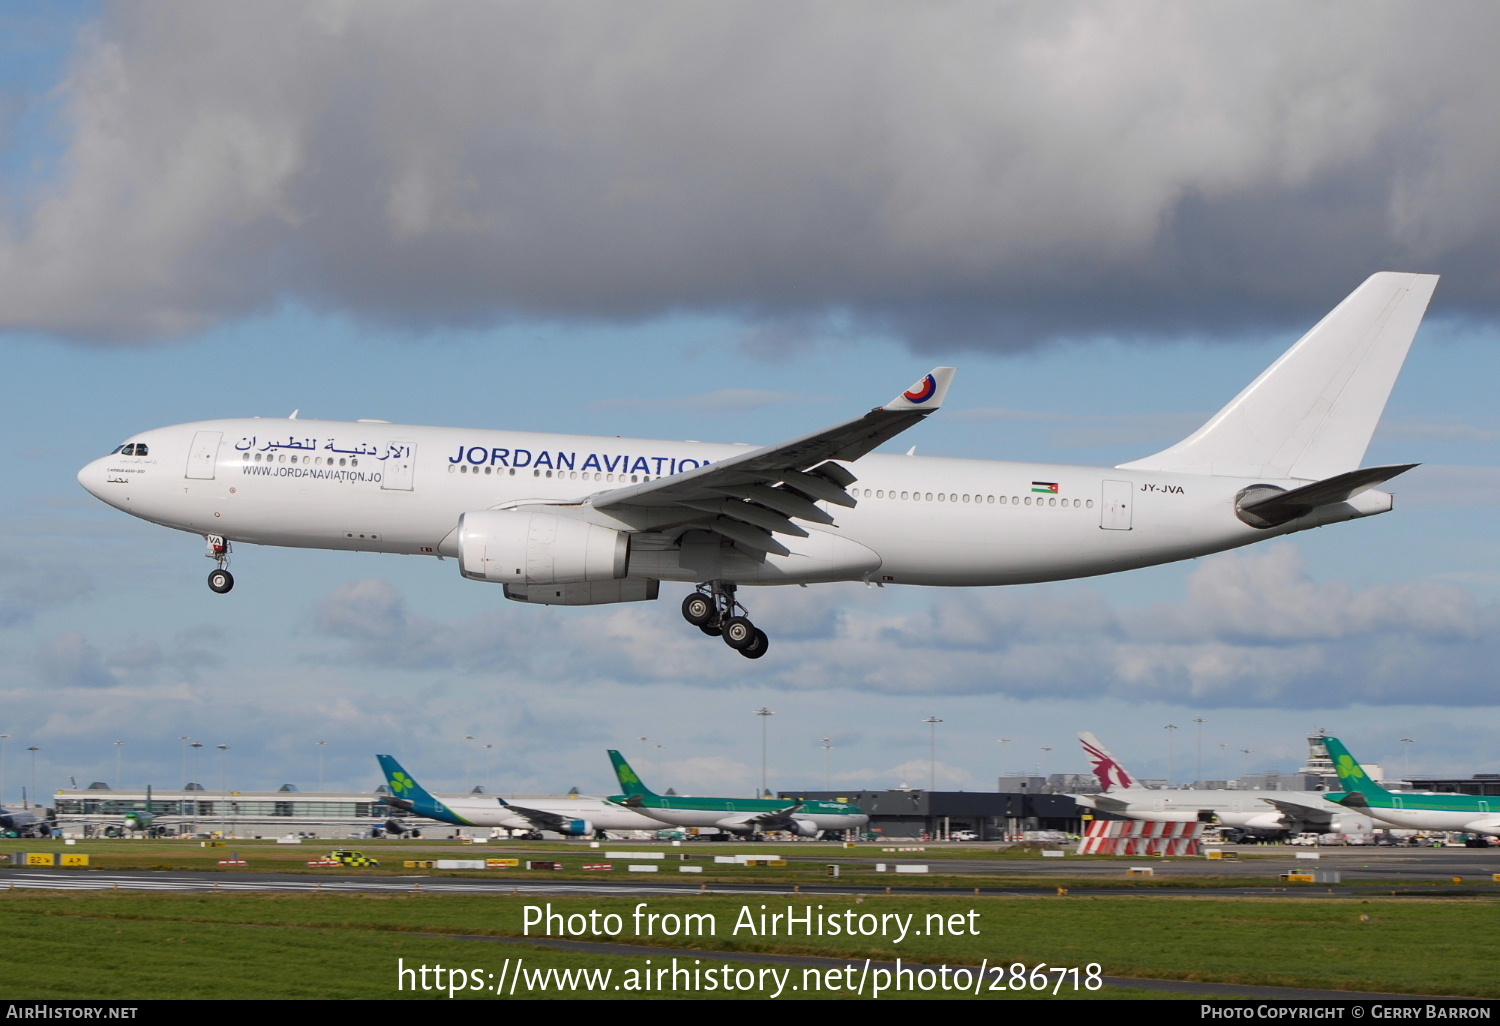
<point x="926" y="394"/>
<point x="1106" y="767"/>
<point x="630" y="781"/>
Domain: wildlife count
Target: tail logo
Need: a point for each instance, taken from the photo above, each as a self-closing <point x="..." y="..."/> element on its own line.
<point x="1110" y="773"/>
<point x="627" y="776"/>
<point x="401" y="783"/>
<point x="1349" y="769"/>
<point x="922" y="391"/>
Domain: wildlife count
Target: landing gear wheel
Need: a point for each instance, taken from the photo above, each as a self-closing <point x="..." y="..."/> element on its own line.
<point x="739" y="632"/>
<point x="221" y="581"/>
<point x="698" y="609"/>
<point x="758" y="645"/>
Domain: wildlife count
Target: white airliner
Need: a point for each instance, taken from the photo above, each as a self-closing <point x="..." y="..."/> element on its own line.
<point x="571" y="816"/>
<point x="1260" y="812"/>
<point x="577" y="520"/>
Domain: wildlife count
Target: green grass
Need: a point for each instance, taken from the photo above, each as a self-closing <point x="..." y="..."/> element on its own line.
<point x="857" y="864"/>
<point x="132" y="944"/>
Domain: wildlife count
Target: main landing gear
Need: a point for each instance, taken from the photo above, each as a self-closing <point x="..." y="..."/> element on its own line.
<point x="714" y="611"/>
<point x="221" y="580"/>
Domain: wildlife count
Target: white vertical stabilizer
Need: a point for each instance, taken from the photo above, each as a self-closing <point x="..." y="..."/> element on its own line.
<point x="1310" y="415"/>
<point x="1112" y="776"/>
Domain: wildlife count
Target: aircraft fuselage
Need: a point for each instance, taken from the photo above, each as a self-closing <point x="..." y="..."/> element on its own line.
<point x="377" y="487"/>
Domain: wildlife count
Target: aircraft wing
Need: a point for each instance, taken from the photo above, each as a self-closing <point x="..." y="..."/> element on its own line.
<point x="778" y="819"/>
<point x="750" y="497"/>
<point x="540" y="818"/>
<point x="1302" y="812"/>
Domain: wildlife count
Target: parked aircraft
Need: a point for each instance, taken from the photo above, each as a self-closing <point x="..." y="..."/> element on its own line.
<point x="1473" y="814"/>
<point x="573" y="520"/>
<point x="574" y="816"/>
<point x="23" y="823"/>
<point x="734" y="815"/>
<point x="1263" y="812"/>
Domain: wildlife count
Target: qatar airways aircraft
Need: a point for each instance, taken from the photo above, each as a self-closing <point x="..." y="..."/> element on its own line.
<point x="577" y="520"/>
<point x="1258" y="812"/>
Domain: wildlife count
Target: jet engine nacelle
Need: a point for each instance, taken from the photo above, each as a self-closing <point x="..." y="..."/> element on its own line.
<point x="804" y="828"/>
<point x="578" y="828"/>
<point x="519" y="547"/>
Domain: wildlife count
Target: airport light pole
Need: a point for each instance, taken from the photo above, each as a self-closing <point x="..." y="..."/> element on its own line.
<point x="932" y="722"/>
<point x="1042" y="769"/>
<point x="3" y="739"/>
<point x="119" y="749"/>
<point x="1002" y="742"/>
<point x="223" y="751"/>
<point x="1171" y="752"/>
<point x="827" y="744"/>
<point x="765" y="714"/>
<point x="1200" y="721"/>
<point x="33" y="750"/>
<point x="1408" y="742"/>
<point x="196" y="746"/>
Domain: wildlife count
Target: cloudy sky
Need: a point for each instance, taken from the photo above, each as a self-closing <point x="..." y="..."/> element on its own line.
<point x="739" y="222"/>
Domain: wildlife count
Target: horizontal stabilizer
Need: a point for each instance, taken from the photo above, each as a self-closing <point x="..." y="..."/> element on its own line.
<point x="1265" y="507"/>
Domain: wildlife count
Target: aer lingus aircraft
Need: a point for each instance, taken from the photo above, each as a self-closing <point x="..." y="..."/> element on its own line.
<point x="573" y="816"/>
<point x="575" y="520"/>
<point x="1472" y="814"/>
<point x="733" y="815"/>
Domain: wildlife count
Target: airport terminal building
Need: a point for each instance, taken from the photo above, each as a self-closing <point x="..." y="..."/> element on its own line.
<point x="989" y="815"/>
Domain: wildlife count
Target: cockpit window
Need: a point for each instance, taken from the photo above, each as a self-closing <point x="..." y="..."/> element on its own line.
<point x="116" y="450"/>
<point x="133" y="449"/>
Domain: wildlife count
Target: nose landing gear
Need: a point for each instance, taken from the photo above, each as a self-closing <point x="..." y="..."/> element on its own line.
<point x="714" y="611"/>
<point x="221" y="580"/>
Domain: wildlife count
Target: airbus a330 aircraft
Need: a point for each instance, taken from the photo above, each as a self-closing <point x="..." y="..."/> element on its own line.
<point x="747" y="816"/>
<point x="1261" y="812"/>
<point x="573" y="816"/>
<point x="1472" y="814"/>
<point x="574" y="520"/>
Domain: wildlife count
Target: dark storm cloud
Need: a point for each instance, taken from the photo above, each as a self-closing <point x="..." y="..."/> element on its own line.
<point x="954" y="174"/>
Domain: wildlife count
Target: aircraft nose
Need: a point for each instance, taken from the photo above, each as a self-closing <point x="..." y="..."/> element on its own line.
<point x="92" y="477"/>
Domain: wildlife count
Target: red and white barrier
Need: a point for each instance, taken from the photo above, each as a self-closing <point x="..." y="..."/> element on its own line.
<point x="1137" y="837"/>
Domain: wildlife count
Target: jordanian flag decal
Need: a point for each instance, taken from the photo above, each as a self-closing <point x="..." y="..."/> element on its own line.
<point x="1045" y="487"/>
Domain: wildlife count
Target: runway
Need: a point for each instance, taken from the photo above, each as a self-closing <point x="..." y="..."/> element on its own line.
<point x="1434" y="872"/>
